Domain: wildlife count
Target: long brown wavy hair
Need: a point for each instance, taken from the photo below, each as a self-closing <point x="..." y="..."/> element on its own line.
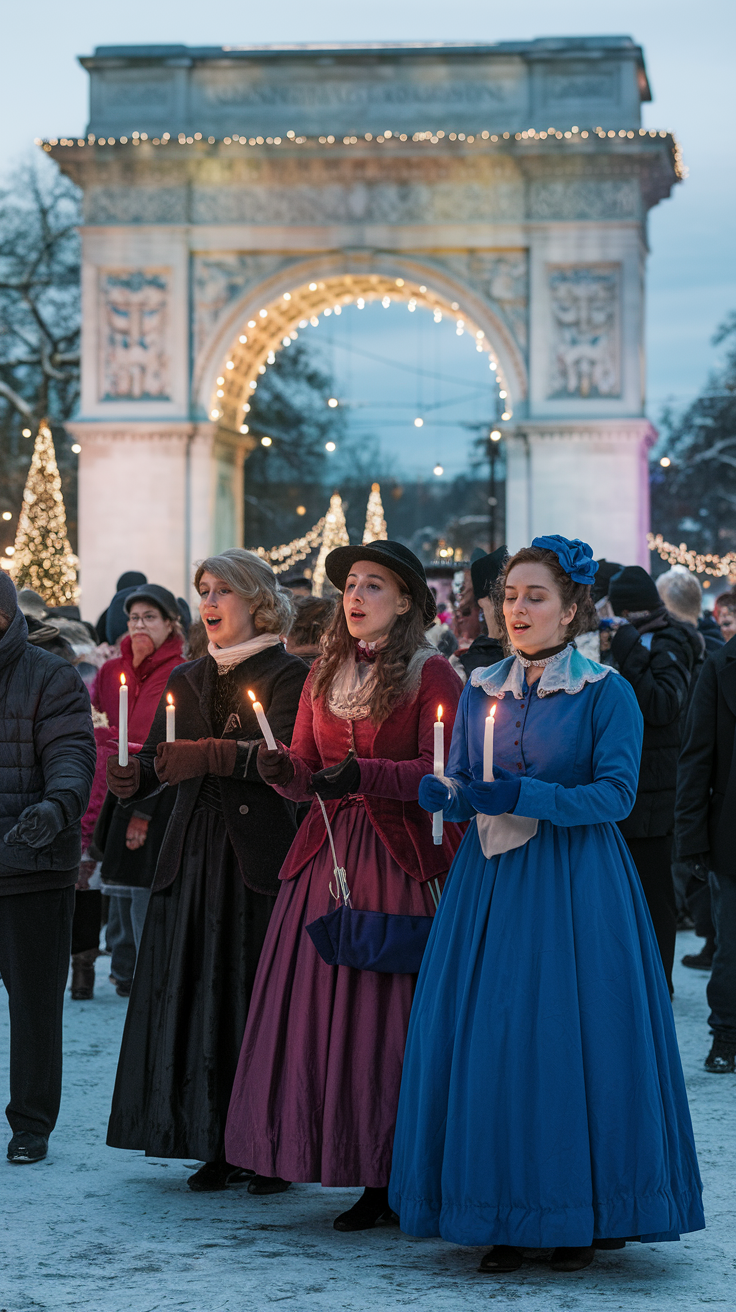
<point x="405" y="637"/>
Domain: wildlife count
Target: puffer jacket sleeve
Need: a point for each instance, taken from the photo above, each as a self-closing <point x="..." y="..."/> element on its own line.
<point x="65" y="742"/>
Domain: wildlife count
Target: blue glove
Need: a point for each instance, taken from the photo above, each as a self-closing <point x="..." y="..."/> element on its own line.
<point x="494" y="798"/>
<point x="434" y="794"/>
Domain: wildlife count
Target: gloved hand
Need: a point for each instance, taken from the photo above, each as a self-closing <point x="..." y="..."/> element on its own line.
<point x="123" y="780"/>
<point x="275" y="768"/>
<point x="86" y="871"/>
<point x="494" y="798"/>
<point x="434" y="795"/>
<point x="698" y="865"/>
<point x="137" y="832"/>
<point x="37" y="826"/>
<point x="185" y="759"/>
<point x="337" y="780"/>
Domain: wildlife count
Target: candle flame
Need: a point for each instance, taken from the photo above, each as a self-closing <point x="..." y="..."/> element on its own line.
<point x="169" y="699"/>
<point x="122" y="678"/>
<point x="493" y="713"/>
<point x="251" y="695"/>
<point x="439" y="712"/>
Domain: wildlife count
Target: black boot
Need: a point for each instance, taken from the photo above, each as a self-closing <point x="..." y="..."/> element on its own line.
<point x="721" y="1059"/>
<point x="609" y="1245"/>
<point x="26" y="1147"/>
<point x="572" y="1259"/>
<point x="500" y="1258"/>
<point x="367" y="1212"/>
<point x="217" y="1175"/>
<point x="268" y="1184"/>
<point x="702" y="960"/>
<point x="83" y="975"/>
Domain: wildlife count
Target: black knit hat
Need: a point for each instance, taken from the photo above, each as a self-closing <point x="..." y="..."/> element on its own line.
<point x="606" y="571"/>
<point x="8" y="595"/>
<point x="161" y="598"/>
<point x="632" y="589"/>
<point x="486" y="570"/>
<point x="392" y="555"/>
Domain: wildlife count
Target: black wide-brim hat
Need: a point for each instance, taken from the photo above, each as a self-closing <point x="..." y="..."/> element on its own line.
<point x="392" y="555"/>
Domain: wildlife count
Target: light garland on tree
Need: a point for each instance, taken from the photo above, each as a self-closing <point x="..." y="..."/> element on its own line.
<point x="697" y="562"/>
<point x="282" y="558"/>
<point x="335" y="535"/>
<point x="375" y="523"/>
<point x="42" y="557"/>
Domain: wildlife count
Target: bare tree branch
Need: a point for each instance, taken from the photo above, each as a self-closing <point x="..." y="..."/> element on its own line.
<point x="17" y="401"/>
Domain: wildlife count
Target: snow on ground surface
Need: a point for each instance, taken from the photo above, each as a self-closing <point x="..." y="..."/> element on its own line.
<point x="97" y="1229"/>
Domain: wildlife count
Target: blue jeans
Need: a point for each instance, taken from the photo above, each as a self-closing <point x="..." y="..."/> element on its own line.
<point x="125" y="922"/>
<point x="722" y="983"/>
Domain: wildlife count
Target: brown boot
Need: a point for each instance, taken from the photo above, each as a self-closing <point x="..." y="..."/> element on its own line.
<point x="83" y="975"/>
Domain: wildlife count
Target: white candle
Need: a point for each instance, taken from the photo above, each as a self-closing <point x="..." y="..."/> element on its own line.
<point x="488" y="747"/>
<point x="170" y="719"/>
<point x="263" y="722"/>
<point x="439" y="770"/>
<point x="123" y="723"/>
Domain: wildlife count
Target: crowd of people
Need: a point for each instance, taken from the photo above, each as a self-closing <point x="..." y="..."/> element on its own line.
<point x="396" y="907"/>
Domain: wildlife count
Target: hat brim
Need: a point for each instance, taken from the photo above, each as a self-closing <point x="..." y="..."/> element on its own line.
<point x="144" y="594"/>
<point x="340" y="562"/>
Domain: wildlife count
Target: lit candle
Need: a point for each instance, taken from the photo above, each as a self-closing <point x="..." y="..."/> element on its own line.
<point x="439" y="770"/>
<point x="170" y="719"/>
<point x="263" y="722"/>
<point x="488" y="746"/>
<point x="123" y="723"/>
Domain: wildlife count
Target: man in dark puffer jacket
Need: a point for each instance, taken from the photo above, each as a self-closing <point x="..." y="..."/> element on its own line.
<point x="47" y="764"/>
<point x="657" y="654"/>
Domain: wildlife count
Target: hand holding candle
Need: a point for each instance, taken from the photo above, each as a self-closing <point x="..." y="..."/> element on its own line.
<point x="170" y="719"/>
<point x="263" y="722"/>
<point x="488" y="746"/>
<point x="439" y="770"/>
<point x="123" y="723"/>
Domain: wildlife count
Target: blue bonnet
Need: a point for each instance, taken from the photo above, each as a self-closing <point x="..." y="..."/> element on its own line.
<point x="575" y="557"/>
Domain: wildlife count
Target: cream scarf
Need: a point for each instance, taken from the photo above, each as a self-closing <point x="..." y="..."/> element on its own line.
<point x="228" y="657"/>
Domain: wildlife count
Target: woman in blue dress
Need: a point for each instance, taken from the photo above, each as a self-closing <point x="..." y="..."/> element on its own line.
<point x="542" y="1100"/>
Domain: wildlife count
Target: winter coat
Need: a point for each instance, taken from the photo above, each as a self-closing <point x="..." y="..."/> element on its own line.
<point x="482" y="652"/>
<point x="261" y="825"/>
<point x="145" y="684"/>
<point x="658" y="665"/>
<point x="705" y="815"/>
<point x="712" y="636"/>
<point x="47" y="752"/>
<point x="402" y="753"/>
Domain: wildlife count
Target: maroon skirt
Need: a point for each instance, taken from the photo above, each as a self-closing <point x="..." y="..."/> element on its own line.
<point x="317" y="1086"/>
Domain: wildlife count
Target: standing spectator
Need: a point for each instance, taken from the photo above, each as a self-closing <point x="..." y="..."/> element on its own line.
<point x="298" y="586"/>
<point x="724" y="611"/>
<point x="682" y="595"/>
<point x="656" y="653"/>
<point x="47" y="763"/>
<point x="132" y="578"/>
<point x="706" y="833"/>
<point x="487" y="648"/>
<point x="311" y="619"/>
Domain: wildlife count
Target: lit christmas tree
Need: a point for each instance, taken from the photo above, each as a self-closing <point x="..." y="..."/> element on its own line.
<point x="335" y="535"/>
<point x="375" y="525"/>
<point x="43" y="559"/>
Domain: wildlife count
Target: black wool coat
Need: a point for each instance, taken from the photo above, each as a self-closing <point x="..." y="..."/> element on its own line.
<point x="47" y="752"/>
<point x="705" y="815"/>
<point x="260" y="823"/>
<point x="660" y="677"/>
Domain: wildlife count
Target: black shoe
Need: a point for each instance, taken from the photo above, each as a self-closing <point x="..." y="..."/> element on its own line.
<point x="702" y="960"/>
<point x="27" y="1147"/>
<point x="500" y="1258"/>
<point x="721" y="1059"/>
<point x="572" y="1259"/>
<point x="371" y="1208"/>
<point x="83" y="975"/>
<point x="268" y="1184"/>
<point x="217" y="1175"/>
<point x="121" y="986"/>
<point x="609" y="1245"/>
<point x="684" y="921"/>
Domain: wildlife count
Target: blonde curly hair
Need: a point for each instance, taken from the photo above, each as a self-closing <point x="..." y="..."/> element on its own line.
<point x="256" y="583"/>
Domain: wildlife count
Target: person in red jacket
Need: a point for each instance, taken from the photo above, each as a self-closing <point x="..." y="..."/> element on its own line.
<point x="317" y="1087"/>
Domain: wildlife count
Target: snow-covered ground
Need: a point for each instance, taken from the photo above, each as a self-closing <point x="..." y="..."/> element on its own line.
<point x="92" y="1228"/>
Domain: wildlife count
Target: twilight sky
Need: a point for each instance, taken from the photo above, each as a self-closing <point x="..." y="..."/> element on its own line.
<point x="689" y="55"/>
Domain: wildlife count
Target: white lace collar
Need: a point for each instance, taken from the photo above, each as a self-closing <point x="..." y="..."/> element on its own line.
<point x="568" y="671"/>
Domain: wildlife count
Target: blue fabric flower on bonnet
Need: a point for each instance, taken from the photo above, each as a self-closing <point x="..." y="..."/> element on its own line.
<point x="575" y="557"/>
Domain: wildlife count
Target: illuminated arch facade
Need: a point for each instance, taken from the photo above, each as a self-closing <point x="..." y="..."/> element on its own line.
<point x="506" y="187"/>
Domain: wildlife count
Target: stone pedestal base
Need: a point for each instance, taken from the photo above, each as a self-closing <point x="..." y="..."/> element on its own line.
<point x="588" y="481"/>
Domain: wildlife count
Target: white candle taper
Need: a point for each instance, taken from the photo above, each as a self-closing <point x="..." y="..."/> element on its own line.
<point x="170" y="719"/>
<point x="123" y="723"/>
<point x="439" y="770"/>
<point x="263" y="722"/>
<point x="488" y="746"/>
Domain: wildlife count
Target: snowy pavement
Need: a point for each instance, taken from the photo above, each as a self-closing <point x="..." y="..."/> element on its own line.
<point x="96" y="1229"/>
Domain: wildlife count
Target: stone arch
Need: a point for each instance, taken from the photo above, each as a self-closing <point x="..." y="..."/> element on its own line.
<point x="283" y="305"/>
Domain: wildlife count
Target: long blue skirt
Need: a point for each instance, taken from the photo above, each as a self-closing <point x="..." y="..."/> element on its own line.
<point x="542" y="1098"/>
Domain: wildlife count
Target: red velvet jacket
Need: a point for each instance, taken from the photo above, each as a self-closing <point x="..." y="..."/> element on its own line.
<point x="146" y="683"/>
<point x="402" y="753"/>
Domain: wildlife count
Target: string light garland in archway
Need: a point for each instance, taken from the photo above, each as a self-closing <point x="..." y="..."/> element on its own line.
<point x="697" y="562"/>
<point x="283" y="557"/>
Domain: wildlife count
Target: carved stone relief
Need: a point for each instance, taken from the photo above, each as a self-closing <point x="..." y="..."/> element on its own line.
<point x="218" y="281"/>
<point x="503" y="280"/>
<point x="134" y="355"/>
<point x="595" y="198"/>
<point x="585" y="347"/>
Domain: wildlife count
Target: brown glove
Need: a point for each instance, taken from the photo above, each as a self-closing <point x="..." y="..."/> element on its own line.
<point x="275" y="768"/>
<point x="123" y="780"/>
<point x="185" y="759"/>
<point x="136" y="833"/>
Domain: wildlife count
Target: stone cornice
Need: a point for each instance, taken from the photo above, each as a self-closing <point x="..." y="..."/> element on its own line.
<point x="599" y="431"/>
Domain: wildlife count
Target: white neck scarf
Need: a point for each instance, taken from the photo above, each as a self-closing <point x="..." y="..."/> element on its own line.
<point x="228" y="657"/>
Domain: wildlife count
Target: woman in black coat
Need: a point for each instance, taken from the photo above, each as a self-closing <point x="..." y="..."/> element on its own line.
<point x="217" y="875"/>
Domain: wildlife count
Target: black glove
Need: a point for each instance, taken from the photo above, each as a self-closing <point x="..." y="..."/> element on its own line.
<point x="37" y="826"/>
<point x="698" y="865"/>
<point x="337" y="780"/>
<point x="275" y="768"/>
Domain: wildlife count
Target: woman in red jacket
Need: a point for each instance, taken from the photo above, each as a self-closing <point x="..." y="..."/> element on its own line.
<point x="317" y="1087"/>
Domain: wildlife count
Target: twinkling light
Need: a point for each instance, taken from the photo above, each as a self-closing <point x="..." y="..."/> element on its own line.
<point x="335" y="535"/>
<point x="42" y="557"/>
<point x="375" y="524"/>
<point x="697" y="562"/>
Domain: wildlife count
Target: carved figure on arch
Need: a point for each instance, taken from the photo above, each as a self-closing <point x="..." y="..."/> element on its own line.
<point x="134" y="313"/>
<point x="585" y="330"/>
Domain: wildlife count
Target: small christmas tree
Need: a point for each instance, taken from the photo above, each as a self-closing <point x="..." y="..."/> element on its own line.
<point x="375" y="525"/>
<point x="43" y="559"/>
<point x="335" y="535"/>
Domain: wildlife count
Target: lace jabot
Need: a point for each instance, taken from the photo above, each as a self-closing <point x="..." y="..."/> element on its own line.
<point x="567" y="671"/>
<point x="353" y="687"/>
